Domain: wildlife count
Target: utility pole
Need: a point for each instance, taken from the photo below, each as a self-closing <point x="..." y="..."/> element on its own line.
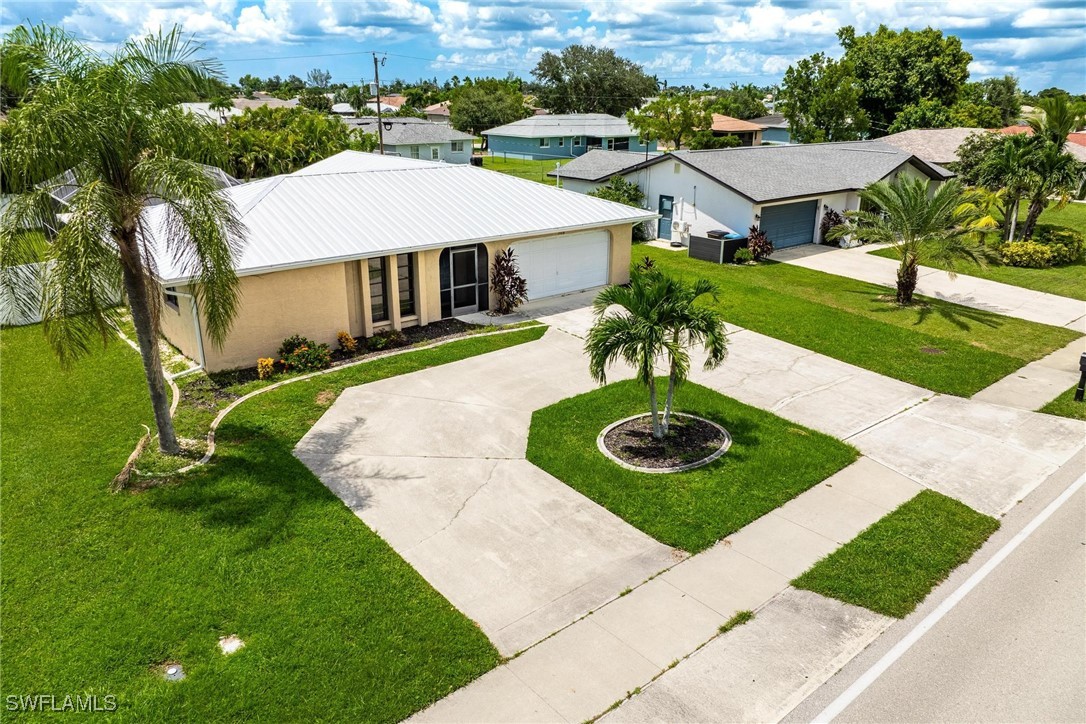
<point x="377" y="94"/>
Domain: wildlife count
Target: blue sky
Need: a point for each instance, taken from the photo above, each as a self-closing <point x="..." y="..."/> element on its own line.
<point x="1042" y="42"/>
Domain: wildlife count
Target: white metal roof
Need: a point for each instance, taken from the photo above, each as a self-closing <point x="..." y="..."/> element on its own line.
<point x="572" y="124"/>
<point x="355" y="205"/>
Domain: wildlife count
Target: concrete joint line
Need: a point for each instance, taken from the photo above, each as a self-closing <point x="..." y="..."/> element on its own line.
<point x="981" y="436"/>
<point x="806" y="393"/>
<point x="888" y="418"/>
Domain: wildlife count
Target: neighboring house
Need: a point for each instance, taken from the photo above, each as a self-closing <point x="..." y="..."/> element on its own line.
<point x="395" y="100"/>
<point x="564" y="136"/>
<point x="936" y="145"/>
<point x="1016" y="129"/>
<point x="776" y="128"/>
<point x="364" y="243"/>
<point x="748" y="133"/>
<point x="595" y="168"/>
<point x="260" y="99"/>
<point x="204" y="112"/>
<point x="438" y="112"/>
<point x="419" y="139"/>
<point x="784" y="190"/>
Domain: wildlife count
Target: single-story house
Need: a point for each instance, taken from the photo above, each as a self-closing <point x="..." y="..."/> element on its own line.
<point x="564" y="136"/>
<point x="205" y="112"/>
<point x="936" y="145"/>
<point x="416" y="138"/>
<point x="364" y="243"/>
<point x="776" y="128"/>
<point x="748" y="133"/>
<point x="595" y="168"/>
<point x="437" y="112"/>
<point x="784" y="190"/>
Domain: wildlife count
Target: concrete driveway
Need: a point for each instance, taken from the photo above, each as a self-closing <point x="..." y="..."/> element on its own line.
<point x="434" y="462"/>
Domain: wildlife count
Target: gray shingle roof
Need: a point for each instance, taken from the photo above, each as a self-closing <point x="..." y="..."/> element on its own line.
<point x="771" y="173"/>
<point x="936" y="145"/>
<point x="410" y="131"/>
<point x="571" y="124"/>
<point x="600" y="165"/>
<point x="773" y="120"/>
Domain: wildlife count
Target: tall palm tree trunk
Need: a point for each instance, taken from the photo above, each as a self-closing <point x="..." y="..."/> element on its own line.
<point x="136" y="289"/>
<point x="1036" y="206"/>
<point x="1012" y="217"/>
<point x="672" y="382"/>
<point x="654" y="407"/>
<point x="906" y="279"/>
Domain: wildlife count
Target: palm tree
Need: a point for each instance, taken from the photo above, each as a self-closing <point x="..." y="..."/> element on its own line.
<point x="112" y="123"/>
<point x="1009" y="169"/>
<point x="918" y="225"/>
<point x="657" y="316"/>
<point x="1057" y="120"/>
<point x="1055" y="173"/>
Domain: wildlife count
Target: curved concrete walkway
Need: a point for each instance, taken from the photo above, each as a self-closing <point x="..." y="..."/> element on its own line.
<point x="963" y="289"/>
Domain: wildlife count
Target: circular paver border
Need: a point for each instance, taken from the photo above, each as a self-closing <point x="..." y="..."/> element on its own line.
<point x="681" y="468"/>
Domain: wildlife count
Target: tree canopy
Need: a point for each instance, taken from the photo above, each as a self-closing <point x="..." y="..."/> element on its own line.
<point x="821" y="98"/>
<point x="587" y="79"/>
<point x="671" y="117"/>
<point x="740" y="101"/>
<point x="486" y="104"/>
<point x="897" y="69"/>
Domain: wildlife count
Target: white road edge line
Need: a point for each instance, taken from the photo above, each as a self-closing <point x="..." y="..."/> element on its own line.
<point x="858" y="687"/>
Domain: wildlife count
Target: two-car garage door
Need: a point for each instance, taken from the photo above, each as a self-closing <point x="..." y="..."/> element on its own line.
<point x="789" y="224"/>
<point x="561" y="264"/>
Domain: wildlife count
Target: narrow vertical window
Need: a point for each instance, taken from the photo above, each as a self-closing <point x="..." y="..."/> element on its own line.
<point x="378" y="290"/>
<point x="405" y="273"/>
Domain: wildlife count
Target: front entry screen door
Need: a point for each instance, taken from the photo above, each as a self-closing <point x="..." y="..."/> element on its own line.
<point x="465" y="281"/>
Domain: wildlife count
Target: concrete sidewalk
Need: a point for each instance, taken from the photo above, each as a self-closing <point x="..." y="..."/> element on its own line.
<point x="583" y="669"/>
<point x="963" y="289"/>
<point x="1039" y="382"/>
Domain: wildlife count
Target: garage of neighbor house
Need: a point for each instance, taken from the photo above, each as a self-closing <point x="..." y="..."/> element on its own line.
<point x="365" y="243"/>
<point x="783" y="190"/>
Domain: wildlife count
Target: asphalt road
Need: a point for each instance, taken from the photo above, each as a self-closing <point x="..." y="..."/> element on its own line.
<point x="1013" y="650"/>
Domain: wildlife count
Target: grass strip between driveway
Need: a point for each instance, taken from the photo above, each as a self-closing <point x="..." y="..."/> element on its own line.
<point x="892" y="566"/>
<point x="1065" y="406"/>
<point x="937" y="345"/>
<point x="770" y="461"/>
<point x="101" y="589"/>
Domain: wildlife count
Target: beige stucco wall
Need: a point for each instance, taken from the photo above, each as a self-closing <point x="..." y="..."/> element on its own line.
<point x="271" y="307"/>
<point x="177" y="325"/>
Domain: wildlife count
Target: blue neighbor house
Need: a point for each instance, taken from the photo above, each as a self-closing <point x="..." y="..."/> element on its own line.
<point x="564" y="136"/>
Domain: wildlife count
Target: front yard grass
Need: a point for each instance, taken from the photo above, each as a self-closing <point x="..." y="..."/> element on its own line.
<point x="769" y="462"/>
<point x="99" y="589"/>
<point x="893" y="565"/>
<point x="1065" y="406"/>
<point x="524" y="168"/>
<point x="1065" y="281"/>
<point x="937" y="345"/>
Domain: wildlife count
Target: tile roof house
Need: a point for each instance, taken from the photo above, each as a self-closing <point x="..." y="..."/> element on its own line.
<point x="437" y="112"/>
<point x="556" y="136"/>
<point x="748" y="133"/>
<point x="364" y="243"/>
<point x="783" y="189"/>
<point x="419" y="139"/>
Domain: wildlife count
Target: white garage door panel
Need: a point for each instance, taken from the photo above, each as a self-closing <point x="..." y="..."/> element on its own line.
<point x="562" y="264"/>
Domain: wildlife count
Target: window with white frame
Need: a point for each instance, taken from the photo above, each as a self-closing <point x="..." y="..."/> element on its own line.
<point x="544" y="143"/>
<point x="576" y="141"/>
<point x="414" y="152"/>
<point x="457" y="146"/>
<point x="435" y="153"/>
<point x="561" y="142"/>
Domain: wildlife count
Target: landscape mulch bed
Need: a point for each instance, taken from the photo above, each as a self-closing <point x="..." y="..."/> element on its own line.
<point x="689" y="439"/>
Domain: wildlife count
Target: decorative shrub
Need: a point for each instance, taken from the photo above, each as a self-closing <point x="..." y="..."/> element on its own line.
<point x="299" y="354"/>
<point x="1067" y="245"/>
<point x="645" y="264"/>
<point x="759" y="244"/>
<point x="265" y="368"/>
<point x="743" y="256"/>
<point x="386" y="340"/>
<point x="347" y="343"/>
<point x="507" y="283"/>
<point x="1028" y="254"/>
<point x="830" y="220"/>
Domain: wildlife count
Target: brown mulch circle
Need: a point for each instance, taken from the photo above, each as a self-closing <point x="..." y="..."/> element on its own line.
<point x="688" y="440"/>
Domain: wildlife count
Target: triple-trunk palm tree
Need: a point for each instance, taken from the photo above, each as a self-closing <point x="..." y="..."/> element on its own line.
<point x="113" y="124"/>
<point x="919" y="226"/>
<point x="657" y="315"/>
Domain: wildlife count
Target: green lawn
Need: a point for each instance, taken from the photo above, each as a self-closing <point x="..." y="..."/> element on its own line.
<point x="1066" y="281"/>
<point x="98" y="589"/>
<point x="937" y="345"/>
<point x="524" y="168"/>
<point x="1065" y="406"/>
<point x="893" y="565"/>
<point x="770" y="462"/>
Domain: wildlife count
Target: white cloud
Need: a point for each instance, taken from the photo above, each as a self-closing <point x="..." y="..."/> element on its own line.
<point x="1031" y="48"/>
<point x="1051" y="18"/>
<point x="670" y="62"/>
